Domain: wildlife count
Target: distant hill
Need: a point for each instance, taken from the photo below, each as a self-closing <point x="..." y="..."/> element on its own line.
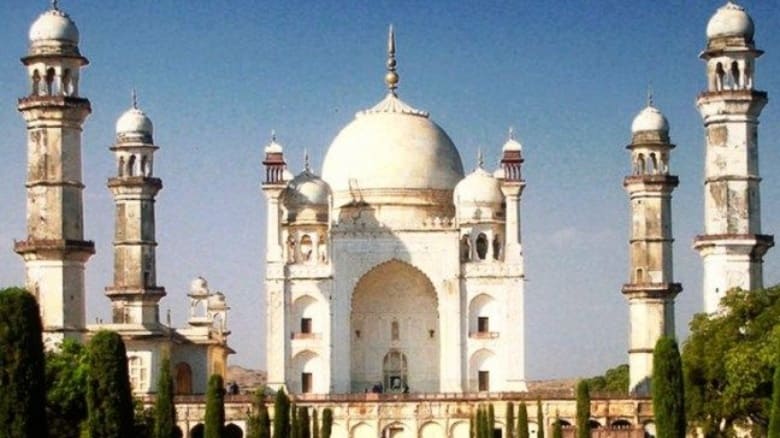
<point x="248" y="380"/>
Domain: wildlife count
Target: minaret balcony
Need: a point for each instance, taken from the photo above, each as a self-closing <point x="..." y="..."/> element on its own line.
<point x="54" y="248"/>
<point x="651" y="290"/>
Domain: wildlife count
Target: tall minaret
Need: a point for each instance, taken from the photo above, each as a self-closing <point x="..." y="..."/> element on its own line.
<point x="732" y="246"/>
<point x="276" y="325"/>
<point x="651" y="288"/>
<point x="55" y="251"/>
<point x="135" y="293"/>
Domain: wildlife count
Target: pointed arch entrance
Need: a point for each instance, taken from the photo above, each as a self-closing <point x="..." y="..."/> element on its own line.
<point x="395" y="316"/>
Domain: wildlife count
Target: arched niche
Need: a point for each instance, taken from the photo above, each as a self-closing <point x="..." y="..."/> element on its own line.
<point x="483" y="315"/>
<point x="394" y="291"/>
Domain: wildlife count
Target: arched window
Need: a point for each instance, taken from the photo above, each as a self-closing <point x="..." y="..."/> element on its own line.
<point x="121" y="168"/>
<point x="394" y="370"/>
<point x="183" y="378"/>
<point x="496" y="247"/>
<point x="653" y="165"/>
<point x="394" y="331"/>
<point x="233" y="431"/>
<point x="50" y="81"/>
<point x="306" y="248"/>
<point x="735" y="75"/>
<point x="641" y="162"/>
<point x="197" y="431"/>
<point x="131" y="166"/>
<point x="65" y="89"/>
<point x="719" y="73"/>
<point x="482" y="246"/>
<point x="144" y="164"/>
<point x="36" y="83"/>
<point x="465" y="249"/>
<point x="640" y="275"/>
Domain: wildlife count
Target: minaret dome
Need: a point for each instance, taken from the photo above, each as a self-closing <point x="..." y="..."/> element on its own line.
<point x="649" y="119"/>
<point x="54" y="25"/>
<point x="730" y="20"/>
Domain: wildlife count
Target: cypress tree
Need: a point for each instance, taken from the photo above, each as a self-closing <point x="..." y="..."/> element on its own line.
<point x="491" y="419"/>
<point x="774" y="417"/>
<point x="304" y="421"/>
<point x="214" y="424"/>
<point x="667" y="389"/>
<point x="254" y="424"/>
<point x="295" y="425"/>
<point x="558" y="428"/>
<point x="281" y="415"/>
<point x="480" y="422"/>
<point x="583" y="409"/>
<point x="265" y="421"/>
<point x="522" y="421"/>
<point x="164" y="408"/>
<point x="327" y="422"/>
<point x="22" y="369"/>
<point x="473" y="425"/>
<point x="510" y="420"/>
<point x="539" y="419"/>
<point x="315" y="424"/>
<point x="109" y="400"/>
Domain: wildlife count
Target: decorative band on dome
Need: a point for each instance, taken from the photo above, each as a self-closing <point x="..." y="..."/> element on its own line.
<point x="392" y="104"/>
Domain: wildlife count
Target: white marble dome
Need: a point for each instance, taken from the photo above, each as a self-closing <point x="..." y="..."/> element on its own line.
<point x="512" y="145"/>
<point x="273" y="147"/>
<point x="392" y="146"/>
<point x="54" y="25"/>
<point x="649" y="119"/>
<point x="306" y="189"/>
<point x="479" y="187"/>
<point x="134" y="121"/>
<point x="199" y="285"/>
<point x="730" y="20"/>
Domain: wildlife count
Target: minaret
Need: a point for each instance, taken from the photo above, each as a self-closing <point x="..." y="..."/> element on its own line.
<point x="651" y="288"/>
<point x="732" y="245"/>
<point x="512" y="185"/>
<point x="276" y="325"/>
<point x="135" y="293"/>
<point x="55" y="251"/>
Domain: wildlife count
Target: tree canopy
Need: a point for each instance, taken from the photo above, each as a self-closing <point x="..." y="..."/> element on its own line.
<point x="66" y="389"/>
<point x="729" y="360"/>
<point x="614" y="381"/>
<point x="164" y="407"/>
<point x="22" y="372"/>
<point x="215" y="408"/>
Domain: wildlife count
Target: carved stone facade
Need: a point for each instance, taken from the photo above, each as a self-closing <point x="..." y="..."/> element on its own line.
<point x="394" y="272"/>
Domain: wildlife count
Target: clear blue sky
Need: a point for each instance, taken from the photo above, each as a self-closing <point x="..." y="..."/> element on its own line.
<point x="217" y="76"/>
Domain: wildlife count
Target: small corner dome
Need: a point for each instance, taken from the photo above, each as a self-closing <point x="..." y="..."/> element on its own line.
<point x="512" y="145"/>
<point x="199" y="284"/>
<point x="649" y="119"/>
<point x="730" y="20"/>
<point x="306" y="189"/>
<point x="134" y="121"/>
<point x="479" y="187"/>
<point x="273" y="147"/>
<point x="54" y="25"/>
<point x="217" y="300"/>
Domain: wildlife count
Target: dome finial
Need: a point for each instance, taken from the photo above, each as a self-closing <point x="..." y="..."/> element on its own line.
<point x="306" y="166"/>
<point x="480" y="158"/>
<point x="511" y="132"/>
<point x="273" y="136"/>
<point x="650" y="94"/>
<point x="55" y="4"/>
<point x="134" y="98"/>
<point x="391" y="78"/>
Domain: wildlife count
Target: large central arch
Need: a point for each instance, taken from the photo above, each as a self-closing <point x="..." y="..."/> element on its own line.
<point x="395" y="320"/>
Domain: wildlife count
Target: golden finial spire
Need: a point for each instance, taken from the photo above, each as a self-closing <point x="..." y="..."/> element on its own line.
<point x="306" y="166"/>
<point x="134" y="98"/>
<point x="391" y="78"/>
